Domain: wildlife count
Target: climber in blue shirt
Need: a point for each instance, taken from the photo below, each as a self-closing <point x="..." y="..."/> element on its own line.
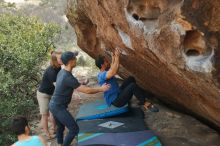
<point x="120" y="95"/>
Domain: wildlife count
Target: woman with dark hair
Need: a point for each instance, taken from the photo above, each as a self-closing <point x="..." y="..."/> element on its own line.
<point x="65" y="86"/>
<point x="22" y="130"/>
<point x="45" y="91"/>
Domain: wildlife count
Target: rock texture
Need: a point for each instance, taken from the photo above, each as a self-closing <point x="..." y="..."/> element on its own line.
<point x="170" y="47"/>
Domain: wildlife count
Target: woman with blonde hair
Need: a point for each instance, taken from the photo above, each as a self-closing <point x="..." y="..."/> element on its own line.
<point x="45" y="91"/>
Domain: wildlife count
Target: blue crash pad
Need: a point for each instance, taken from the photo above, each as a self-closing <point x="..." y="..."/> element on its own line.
<point x="139" y="138"/>
<point x="99" y="109"/>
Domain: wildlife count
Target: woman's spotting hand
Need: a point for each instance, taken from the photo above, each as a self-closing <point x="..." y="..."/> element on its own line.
<point x="105" y="87"/>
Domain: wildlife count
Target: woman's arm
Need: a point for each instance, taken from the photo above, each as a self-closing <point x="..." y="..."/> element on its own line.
<point x="89" y="90"/>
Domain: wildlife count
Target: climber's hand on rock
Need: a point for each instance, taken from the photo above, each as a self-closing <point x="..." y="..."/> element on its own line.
<point x="117" y="52"/>
<point x="113" y="57"/>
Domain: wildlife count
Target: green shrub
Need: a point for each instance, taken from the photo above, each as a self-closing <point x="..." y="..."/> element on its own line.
<point x="24" y="43"/>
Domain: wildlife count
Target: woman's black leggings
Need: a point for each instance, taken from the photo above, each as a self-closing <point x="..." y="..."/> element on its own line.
<point x="127" y="90"/>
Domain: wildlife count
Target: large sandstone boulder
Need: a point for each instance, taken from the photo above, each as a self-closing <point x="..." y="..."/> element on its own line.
<point x="170" y="46"/>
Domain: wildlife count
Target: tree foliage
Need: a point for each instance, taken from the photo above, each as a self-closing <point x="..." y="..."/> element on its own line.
<point x="24" y="43"/>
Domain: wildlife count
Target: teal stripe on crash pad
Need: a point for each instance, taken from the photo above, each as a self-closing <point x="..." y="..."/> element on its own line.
<point x="148" y="141"/>
<point x="80" y="134"/>
<point x="90" y="137"/>
<point x="102" y="107"/>
<point x="158" y="144"/>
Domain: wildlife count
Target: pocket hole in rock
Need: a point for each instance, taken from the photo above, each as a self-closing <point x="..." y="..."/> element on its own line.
<point x="135" y="16"/>
<point x="194" y="43"/>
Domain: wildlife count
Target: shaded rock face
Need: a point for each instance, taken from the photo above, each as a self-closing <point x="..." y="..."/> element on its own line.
<point x="170" y="47"/>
